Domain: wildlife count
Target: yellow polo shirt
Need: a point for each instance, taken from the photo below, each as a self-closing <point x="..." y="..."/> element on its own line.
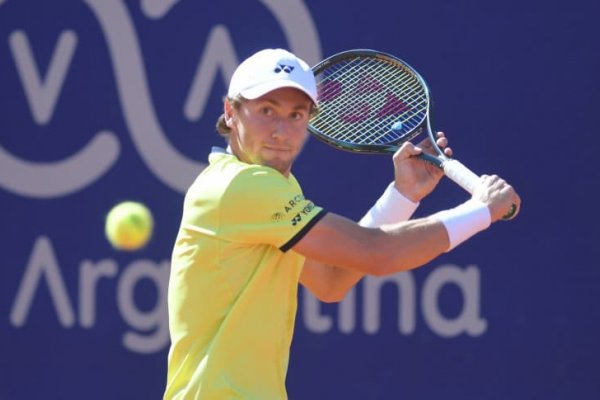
<point x="233" y="283"/>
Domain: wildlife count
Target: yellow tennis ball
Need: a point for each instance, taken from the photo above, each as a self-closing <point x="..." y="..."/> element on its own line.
<point x="129" y="226"/>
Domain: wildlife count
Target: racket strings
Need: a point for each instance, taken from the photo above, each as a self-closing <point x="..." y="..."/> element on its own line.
<point x="361" y="99"/>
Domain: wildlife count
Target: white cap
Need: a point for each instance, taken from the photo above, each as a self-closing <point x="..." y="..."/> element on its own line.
<point x="272" y="69"/>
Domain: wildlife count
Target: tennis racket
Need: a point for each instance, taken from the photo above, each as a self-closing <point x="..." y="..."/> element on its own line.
<point x="373" y="102"/>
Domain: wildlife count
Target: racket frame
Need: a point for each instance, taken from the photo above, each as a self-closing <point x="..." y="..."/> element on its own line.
<point x="425" y="124"/>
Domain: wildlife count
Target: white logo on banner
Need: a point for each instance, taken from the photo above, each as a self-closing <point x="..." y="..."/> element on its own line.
<point x="171" y="167"/>
<point x="469" y="320"/>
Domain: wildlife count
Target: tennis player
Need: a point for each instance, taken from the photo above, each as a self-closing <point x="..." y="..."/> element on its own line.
<point x="248" y="236"/>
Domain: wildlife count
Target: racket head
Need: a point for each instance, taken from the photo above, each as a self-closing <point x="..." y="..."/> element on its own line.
<point x="369" y="102"/>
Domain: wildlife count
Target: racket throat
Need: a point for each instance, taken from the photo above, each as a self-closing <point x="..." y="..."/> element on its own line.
<point x="432" y="160"/>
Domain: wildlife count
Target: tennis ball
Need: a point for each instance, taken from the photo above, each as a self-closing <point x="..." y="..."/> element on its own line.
<point x="129" y="226"/>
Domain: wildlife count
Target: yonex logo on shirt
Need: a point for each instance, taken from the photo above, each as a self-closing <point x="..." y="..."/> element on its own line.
<point x="296" y="219"/>
<point x="305" y="211"/>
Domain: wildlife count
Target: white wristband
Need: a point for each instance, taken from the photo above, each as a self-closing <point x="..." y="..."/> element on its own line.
<point x="464" y="221"/>
<point x="390" y="208"/>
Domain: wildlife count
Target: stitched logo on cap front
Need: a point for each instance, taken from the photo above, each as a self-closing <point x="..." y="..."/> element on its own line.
<point x="285" y="68"/>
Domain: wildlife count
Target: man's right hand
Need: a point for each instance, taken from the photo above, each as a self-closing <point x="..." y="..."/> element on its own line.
<point x="498" y="195"/>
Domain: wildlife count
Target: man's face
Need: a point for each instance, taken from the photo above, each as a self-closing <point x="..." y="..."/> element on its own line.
<point x="270" y="130"/>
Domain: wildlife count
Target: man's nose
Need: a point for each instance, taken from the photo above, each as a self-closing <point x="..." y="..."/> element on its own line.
<point x="281" y="127"/>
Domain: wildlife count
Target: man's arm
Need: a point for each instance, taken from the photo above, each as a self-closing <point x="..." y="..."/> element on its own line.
<point x="339" y="242"/>
<point x="339" y="252"/>
<point x="330" y="283"/>
<point x="413" y="180"/>
<point x="336" y="245"/>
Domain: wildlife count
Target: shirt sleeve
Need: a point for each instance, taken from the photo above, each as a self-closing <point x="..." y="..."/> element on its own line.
<point x="262" y="206"/>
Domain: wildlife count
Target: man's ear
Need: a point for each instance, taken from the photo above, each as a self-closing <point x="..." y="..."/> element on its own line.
<point x="229" y="113"/>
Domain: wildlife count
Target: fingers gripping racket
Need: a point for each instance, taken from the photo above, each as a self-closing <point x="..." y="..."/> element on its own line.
<point x="372" y="102"/>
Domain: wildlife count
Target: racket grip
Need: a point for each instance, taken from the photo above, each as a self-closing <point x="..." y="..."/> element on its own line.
<point x="469" y="181"/>
<point x="462" y="175"/>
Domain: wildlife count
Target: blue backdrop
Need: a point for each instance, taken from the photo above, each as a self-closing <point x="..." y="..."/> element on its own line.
<point x="107" y="100"/>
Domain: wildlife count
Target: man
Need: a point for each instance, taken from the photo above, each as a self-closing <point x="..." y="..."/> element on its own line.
<point x="248" y="236"/>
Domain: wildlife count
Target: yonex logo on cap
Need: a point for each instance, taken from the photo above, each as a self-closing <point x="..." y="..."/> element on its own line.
<point x="285" y="68"/>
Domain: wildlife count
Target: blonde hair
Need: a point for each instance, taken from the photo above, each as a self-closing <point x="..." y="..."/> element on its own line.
<point x="221" y="125"/>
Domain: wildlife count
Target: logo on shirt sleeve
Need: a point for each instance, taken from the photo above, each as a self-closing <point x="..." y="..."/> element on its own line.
<point x="290" y="206"/>
<point x="305" y="211"/>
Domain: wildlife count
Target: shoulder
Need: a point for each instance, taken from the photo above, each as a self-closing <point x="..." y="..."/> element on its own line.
<point x="227" y="178"/>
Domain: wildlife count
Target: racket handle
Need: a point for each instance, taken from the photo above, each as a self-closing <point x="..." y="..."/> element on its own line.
<point x="469" y="181"/>
<point x="462" y="175"/>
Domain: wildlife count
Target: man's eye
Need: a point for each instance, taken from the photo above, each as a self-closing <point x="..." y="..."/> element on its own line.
<point x="267" y="111"/>
<point x="297" y="116"/>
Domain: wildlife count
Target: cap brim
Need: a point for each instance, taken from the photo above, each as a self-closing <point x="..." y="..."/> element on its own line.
<point x="260" y="90"/>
